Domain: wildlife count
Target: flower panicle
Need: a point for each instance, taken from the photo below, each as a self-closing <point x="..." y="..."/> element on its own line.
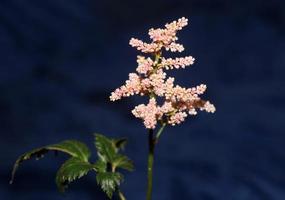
<point x="150" y="79"/>
<point x="162" y="38"/>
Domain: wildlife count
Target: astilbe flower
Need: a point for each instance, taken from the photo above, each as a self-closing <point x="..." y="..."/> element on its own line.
<point x="151" y="79"/>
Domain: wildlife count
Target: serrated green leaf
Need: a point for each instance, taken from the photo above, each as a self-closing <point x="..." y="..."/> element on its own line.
<point x="72" y="147"/>
<point x="105" y="148"/>
<point x="109" y="181"/>
<point x="119" y="143"/>
<point x="72" y="169"/>
<point x="100" y="166"/>
<point x="123" y="162"/>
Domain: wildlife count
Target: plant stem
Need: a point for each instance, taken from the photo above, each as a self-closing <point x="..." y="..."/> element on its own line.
<point x="160" y="131"/>
<point x="122" y="197"/>
<point x="151" y="146"/>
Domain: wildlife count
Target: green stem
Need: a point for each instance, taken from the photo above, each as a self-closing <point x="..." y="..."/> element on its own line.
<point x="151" y="146"/>
<point x="122" y="197"/>
<point x="160" y="131"/>
<point x="152" y="141"/>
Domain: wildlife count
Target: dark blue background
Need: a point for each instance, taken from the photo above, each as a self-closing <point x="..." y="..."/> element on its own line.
<point x="60" y="59"/>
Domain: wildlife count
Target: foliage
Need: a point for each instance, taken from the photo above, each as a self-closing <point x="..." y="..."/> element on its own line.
<point x="78" y="164"/>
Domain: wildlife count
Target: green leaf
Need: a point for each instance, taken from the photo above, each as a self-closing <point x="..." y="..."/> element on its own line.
<point x="123" y="162"/>
<point x="119" y="143"/>
<point x="109" y="181"/>
<point x="72" y="147"/>
<point x="105" y="148"/>
<point x="72" y="169"/>
<point x="100" y="166"/>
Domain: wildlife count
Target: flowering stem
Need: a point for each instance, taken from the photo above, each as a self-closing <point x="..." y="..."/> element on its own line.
<point x="151" y="143"/>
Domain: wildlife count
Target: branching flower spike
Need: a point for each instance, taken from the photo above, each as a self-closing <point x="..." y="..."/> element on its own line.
<point x="151" y="79"/>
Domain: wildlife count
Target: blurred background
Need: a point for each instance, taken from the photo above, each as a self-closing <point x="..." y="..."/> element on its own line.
<point x="61" y="59"/>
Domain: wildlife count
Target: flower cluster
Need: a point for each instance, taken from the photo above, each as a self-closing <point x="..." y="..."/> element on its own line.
<point x="162" y="38"/>
<point x="151" y="79"/>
